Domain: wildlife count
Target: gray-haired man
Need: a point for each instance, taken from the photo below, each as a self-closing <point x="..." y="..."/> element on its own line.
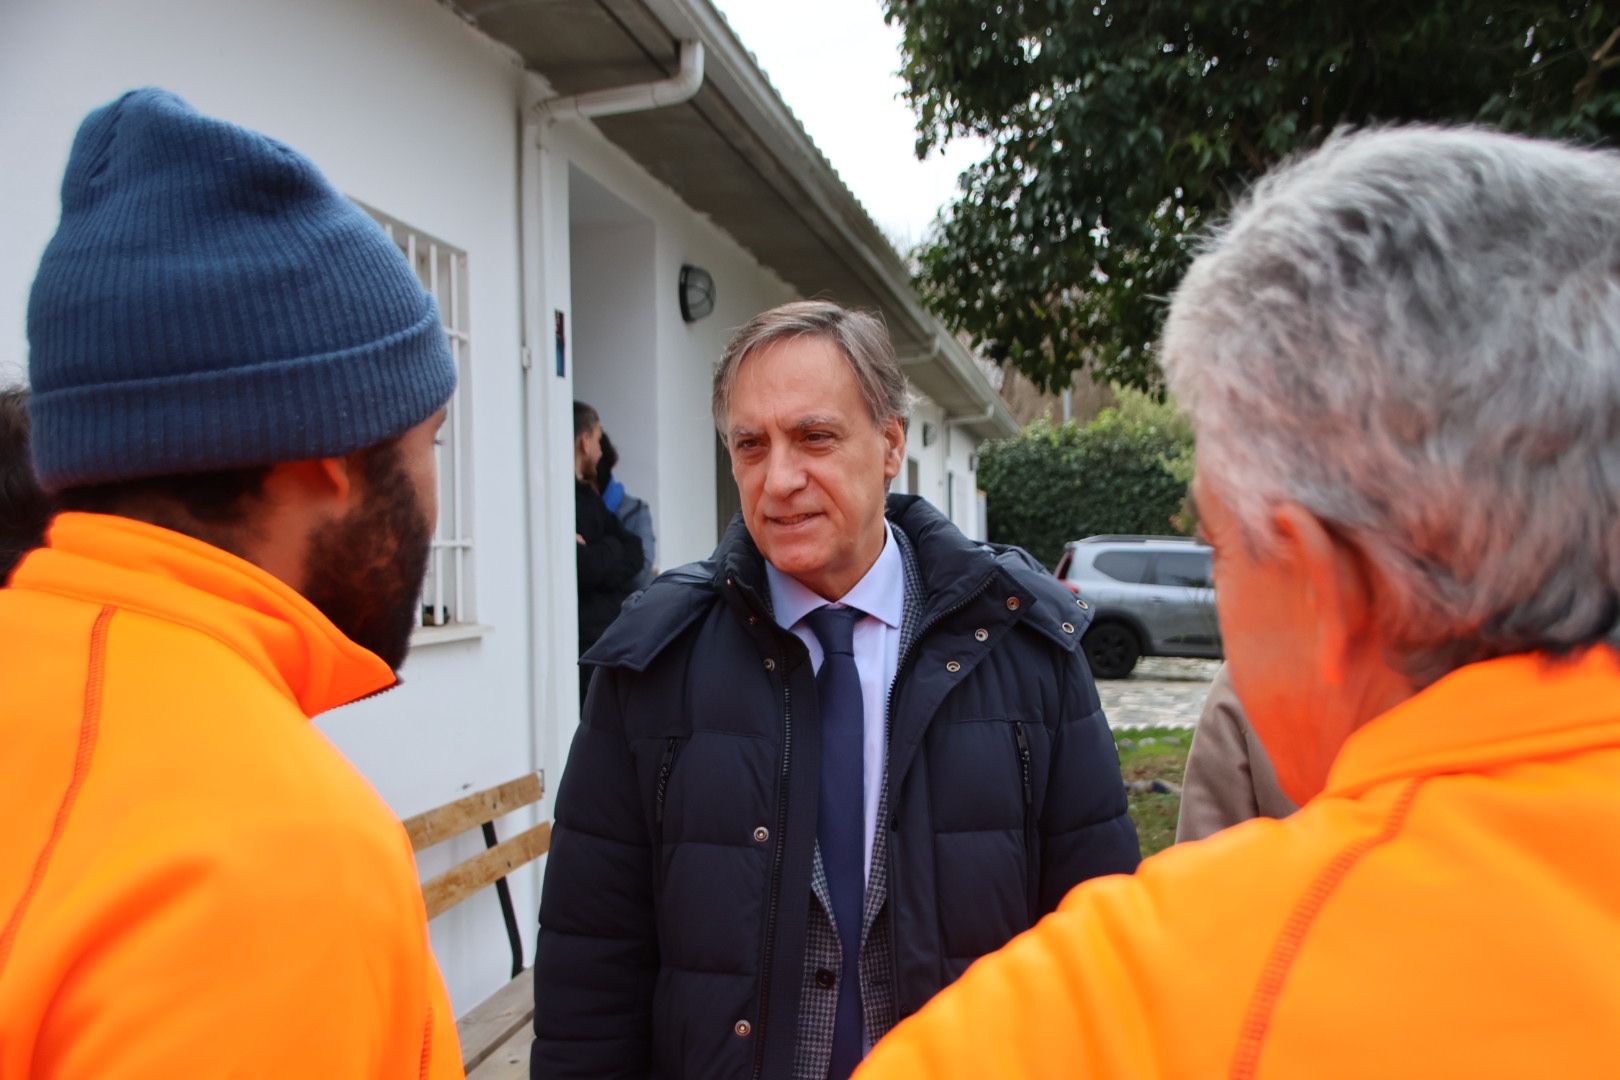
<point x="822" y="772"/>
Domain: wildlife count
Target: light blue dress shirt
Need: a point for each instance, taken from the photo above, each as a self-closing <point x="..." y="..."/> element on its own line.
<point x="882" y="595"/>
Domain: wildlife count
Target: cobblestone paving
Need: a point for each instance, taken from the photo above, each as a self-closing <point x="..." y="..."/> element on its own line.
<point x="1161" y="692"/>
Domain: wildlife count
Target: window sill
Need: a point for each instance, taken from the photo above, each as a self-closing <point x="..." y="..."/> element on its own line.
<point x="443" y="635"/>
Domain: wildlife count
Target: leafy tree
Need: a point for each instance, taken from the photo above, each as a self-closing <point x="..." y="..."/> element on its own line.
<point x="1125" y="472"/>
<point x="1118" y="127"/>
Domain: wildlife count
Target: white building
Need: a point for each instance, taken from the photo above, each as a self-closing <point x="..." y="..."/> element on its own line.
<point x="556" y="248"/>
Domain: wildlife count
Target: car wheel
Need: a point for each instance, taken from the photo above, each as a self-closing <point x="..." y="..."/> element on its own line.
<point x="1111" y="649"/>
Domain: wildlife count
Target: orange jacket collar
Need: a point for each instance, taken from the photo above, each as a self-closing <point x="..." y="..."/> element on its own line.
<point x="140" y="567"/>
<point x="1510" y="709"/>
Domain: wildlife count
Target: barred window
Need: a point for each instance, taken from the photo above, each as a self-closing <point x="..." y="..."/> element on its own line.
<point x="447" y="592"/>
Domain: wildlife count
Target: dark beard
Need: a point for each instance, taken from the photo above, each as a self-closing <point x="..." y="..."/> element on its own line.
<point x="365" y="571"/>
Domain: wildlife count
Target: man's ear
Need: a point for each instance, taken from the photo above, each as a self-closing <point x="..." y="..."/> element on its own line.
<point x="1339" y="591"/>
<point x="313" y="482"/>
<point x="339" y="473"/>
<point x="894" y="452"/>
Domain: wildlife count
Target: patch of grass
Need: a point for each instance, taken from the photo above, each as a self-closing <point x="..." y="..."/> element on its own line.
<point x="1154" y="754"/>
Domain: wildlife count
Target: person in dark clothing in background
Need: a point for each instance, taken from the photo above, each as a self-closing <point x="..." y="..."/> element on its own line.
<point x="819" y="774"/>
<point x="610" y="556"/>
<point x="25" y="509"/>
<point x="633" y="512"/>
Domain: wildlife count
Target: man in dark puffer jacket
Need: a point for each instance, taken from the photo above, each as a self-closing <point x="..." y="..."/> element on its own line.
<point x="689" y="922"/>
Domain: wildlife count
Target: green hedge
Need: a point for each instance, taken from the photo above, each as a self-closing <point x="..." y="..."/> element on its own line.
<point x="1125" y="472"/>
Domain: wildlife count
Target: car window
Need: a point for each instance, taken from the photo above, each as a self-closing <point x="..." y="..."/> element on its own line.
<point x="1129" y="566"/>
<point x="1190" y="570"/>
<point x="1062" y="570"/>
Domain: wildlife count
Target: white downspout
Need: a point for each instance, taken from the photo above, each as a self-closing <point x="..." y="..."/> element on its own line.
<point x="638" y="97"/>
<point x="538" y="521"/>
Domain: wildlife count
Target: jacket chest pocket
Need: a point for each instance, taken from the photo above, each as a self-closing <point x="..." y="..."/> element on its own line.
<point x="657" y="760"/>
<point x="1026" y="769"/>
<point x="986" y="780"/>
<point x="666" y="766"/>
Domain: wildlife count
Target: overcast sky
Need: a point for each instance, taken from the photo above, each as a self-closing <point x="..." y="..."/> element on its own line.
<point x="835" y="63"/>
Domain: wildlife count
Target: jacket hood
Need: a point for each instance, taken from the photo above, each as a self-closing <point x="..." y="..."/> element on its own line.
<point x="953" y="569"/>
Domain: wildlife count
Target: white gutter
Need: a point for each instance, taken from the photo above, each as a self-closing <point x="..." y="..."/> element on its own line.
<point x="926" y="356"/>
<point x="637" y="97"/>
<point x="970" y="420"/>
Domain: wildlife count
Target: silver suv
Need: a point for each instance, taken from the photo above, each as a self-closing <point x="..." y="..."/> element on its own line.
<point x="1150" y="596"/>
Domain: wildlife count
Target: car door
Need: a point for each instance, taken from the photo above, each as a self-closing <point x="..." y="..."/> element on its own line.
<point x="1183" y="591"/>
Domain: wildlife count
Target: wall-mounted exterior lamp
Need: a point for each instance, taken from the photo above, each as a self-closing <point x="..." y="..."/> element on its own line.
<point x="928" y="434"/>
<point x="697" y="293"/>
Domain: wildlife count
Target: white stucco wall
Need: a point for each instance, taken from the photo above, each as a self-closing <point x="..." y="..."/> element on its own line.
<point x="960" y="458"/>
<point x="615" y="337"/>
<point x="930" y="458"/>
<point x="951" y="454"/>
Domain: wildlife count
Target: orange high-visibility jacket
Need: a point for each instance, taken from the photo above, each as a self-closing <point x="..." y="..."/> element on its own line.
<point x="1448" y="907"/>
<point x="193" y="881"/>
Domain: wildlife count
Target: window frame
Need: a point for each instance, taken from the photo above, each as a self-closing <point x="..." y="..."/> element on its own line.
<point x="447" y="609"/>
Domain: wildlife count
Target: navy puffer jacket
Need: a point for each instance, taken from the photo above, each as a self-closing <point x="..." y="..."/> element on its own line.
<point x="677" y="891"/>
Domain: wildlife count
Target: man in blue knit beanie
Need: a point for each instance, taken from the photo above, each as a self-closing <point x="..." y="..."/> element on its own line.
<point x="237" y="381"/>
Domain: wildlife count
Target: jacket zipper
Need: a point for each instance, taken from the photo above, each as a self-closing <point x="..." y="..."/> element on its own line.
<point x="1025" y="768"/>
<point x="776" y="878"/>
<point x="671" y="748"/>
<point x="888" y="749"/>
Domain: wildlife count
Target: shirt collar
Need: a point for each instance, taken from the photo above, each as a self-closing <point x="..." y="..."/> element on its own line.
<point x="881" y="593"/>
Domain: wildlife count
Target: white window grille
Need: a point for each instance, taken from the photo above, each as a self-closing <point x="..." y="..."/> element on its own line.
<point x="447" y="591"/>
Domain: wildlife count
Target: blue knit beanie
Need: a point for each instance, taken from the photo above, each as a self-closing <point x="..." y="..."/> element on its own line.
<point x="210" y="301"/>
